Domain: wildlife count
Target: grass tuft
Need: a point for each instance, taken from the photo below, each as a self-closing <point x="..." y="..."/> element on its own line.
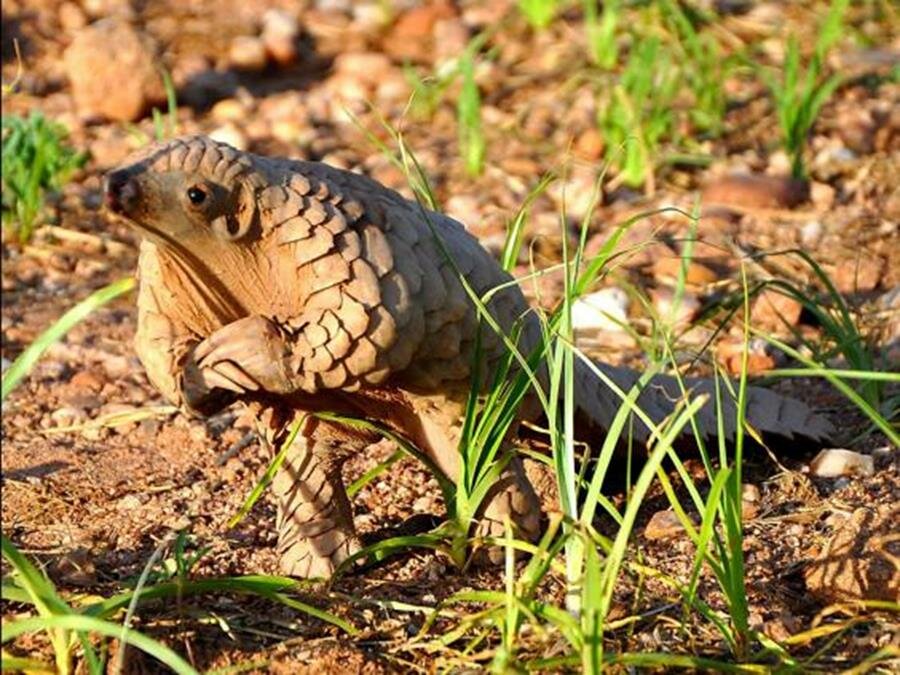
<point x="799" y="91"/>
<point x="36" y="162"/>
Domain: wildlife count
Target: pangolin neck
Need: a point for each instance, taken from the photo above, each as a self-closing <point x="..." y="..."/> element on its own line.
<point x="220" y="278"/>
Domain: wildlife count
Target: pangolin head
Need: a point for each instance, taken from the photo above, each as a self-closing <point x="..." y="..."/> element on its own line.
<point x="186" y="189"/>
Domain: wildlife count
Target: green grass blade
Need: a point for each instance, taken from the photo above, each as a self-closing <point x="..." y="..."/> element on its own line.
<point x="89" y="624"/>
<point x="270" y="587"/>
<point x="40" y="590"/>
<point x="835" y="379"/>
<point x="25" y="665"/>
<point x="373" y="473"/>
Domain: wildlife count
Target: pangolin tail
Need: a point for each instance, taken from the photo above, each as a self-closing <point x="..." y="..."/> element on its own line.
<point x="766" y="411"/>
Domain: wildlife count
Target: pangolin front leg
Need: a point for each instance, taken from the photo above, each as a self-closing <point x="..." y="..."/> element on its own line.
<point x="314" y="519"/>
<point x="250" y="354"/>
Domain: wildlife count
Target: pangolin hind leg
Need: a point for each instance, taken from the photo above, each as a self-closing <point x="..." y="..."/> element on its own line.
<point x="437" y="431"/>
<point x="512" y="497"/>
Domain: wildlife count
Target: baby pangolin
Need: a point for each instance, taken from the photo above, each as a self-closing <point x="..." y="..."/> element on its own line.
<point x="296" y="288"/>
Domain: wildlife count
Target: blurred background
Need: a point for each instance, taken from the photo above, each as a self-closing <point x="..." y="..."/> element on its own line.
<point x="781" y="116"/>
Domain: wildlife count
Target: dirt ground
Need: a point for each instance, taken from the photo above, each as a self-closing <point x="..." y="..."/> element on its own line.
<point x="93" y="505"/>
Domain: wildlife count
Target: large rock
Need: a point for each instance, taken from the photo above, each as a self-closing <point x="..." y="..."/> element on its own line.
<point x="114" y="71"/>
<point x="860" y="560"/>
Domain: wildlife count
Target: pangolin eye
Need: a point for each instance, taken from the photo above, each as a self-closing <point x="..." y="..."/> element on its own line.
<point x="196" y="195"/>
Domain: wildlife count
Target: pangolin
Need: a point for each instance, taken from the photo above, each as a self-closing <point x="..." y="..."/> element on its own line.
<point x="300" y="288"/>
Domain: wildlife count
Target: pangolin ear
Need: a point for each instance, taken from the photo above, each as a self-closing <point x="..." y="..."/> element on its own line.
<point x="240" y="218"/>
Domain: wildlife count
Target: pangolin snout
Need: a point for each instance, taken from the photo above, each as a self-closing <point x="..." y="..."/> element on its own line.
<point x="120" y="191"/>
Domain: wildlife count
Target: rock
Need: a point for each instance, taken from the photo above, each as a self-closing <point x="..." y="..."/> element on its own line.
<point x="663" y="525"/>
<point x="230" y="133"/>
<point x="450" y="39"/>
<point x="856" y="128"/>
<point x="731" y="354"/>
<point x="394" y="87"/>
<point x="679" y="315"/>
<point x="589" y="144"/>
<point x="811" y="233"/>
<point x="602" y="310"/>
<point x="228" y="110"/>
<point x="68" y="416"/>
<point x="779" y="163"/>
<point x="755" y="191"/>
<point x="465" y="209"/>
<point x="370" y="16"/>
<point x="412" y="32"/>
<point x="279" y="36"/>
<point x="129" y="503"/>
<point x="365" y="66"/>
<point x="667" y="269"/>
<point x="342" y="6"/>
<point x="247" y="52"/>
<point x="480" y="14"/>
<point x="110" y="147"/>
<point x="858" y="275"/>
<point x="822" y="195"/>
<point x="859" y="560"/>
<point x="773" y="311"/>
<point x="114" y="71"/>
<point x="71" y="17"/>
<point x="289" y="131"/>
<point x="86" y="381"/>
<point x="357" y="76"/>
<point x="836" y="462"/>
<point x="575" y="191"/>
<point x="750" y="501"/>
<point x="98" y="9"/>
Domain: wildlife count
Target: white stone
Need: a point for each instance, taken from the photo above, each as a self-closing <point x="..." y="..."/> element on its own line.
<point x="836" y="462"/>
<point x="231" y="134"/>
<point x="811" y="233"/>
<point x="603" y="310"/>
<point x="279" y="35"/>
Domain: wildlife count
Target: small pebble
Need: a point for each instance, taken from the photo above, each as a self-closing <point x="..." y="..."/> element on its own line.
<point x="755" y="191"/>
<point x="279" y="36"/>
<point x="774" y="311"/>
<point x="681" y="314"/>
<point x="247" y="52"/>
<point x="228" y="110"/>
<point x="811" y="233"/>
<point x="663" y="525"/>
